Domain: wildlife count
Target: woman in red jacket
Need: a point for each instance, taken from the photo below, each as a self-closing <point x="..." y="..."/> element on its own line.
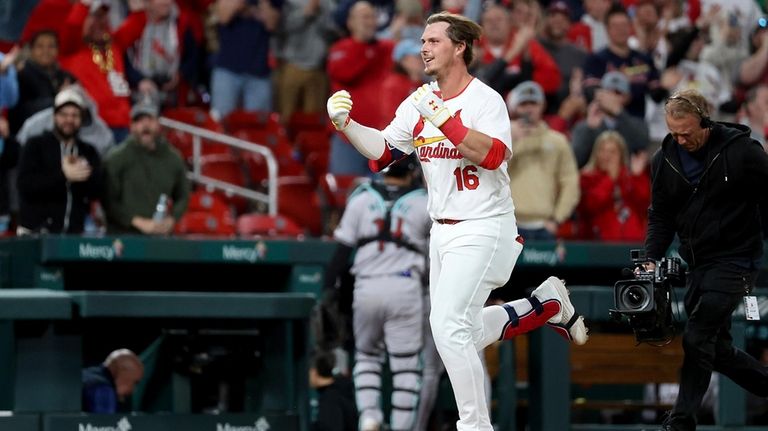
<point x="615" y="194"/>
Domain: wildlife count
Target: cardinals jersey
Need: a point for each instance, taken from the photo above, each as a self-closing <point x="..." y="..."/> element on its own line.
<point x="458" y="188"/>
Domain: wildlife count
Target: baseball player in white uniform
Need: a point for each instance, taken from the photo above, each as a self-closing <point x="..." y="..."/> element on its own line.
<point x="460" y="130"/>
<point x="387" y="224"/>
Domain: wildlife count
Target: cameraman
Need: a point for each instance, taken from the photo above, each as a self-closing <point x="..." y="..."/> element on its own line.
<point x="703" y="179"/>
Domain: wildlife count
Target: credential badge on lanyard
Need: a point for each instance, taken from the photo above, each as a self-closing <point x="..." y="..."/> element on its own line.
<point x="751" y="310"/>
<point x="750" y="307"/>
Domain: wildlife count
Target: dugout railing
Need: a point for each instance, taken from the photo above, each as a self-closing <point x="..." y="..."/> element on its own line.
<point x="199" y="134"/>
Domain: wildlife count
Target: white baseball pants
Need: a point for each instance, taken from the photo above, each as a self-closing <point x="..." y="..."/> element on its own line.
<point x="467" y="261"/>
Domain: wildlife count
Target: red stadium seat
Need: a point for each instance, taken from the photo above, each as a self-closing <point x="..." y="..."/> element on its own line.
<point x="307" y="122"/>
<point x="194" y="116"/>
<point x="229" y="169"/>
<point x="308" y="142"/>
<point x="252" y="120"/>
<point x="257" y="169"/>
<point x="336" y="188"/>
<point x="298" y="200"/>
<point x="204" y="201"/>
<point x="266" y="138"/>
<point x="263" y="224"/>
<point x="279" y="145"/>
<point x="316" y="165"/>
<point x="182" y="141"/>
<point x="290" y="167"/>
<point x="224" y="167"/>
<point x="205" y="223"/>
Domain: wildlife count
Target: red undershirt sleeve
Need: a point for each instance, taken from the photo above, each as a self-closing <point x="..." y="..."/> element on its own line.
<point x="495" y="155"/>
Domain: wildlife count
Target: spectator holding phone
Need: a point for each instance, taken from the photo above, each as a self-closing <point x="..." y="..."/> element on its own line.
<point x="607" y="112"/>
<point x="542" y="175"/>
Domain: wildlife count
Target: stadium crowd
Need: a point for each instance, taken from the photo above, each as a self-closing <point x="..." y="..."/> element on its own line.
<point x="585" y="84"/>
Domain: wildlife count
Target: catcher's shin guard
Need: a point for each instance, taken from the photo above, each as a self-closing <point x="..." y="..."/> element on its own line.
<point x="367" y="379"/>
<point x="406" y="387"/>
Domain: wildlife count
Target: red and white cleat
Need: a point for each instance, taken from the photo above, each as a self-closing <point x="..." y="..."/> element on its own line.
<point x="567" y="322"/>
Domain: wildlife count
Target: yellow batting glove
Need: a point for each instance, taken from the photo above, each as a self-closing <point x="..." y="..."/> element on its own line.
<point x="339" y="105"/>
<point x="430" y="105"/>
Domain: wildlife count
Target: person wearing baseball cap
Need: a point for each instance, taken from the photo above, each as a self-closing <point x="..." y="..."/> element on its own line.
<point x="93" y="129"/>
<point x="69" y="97"/>
<point x="607" y="111"/>
<point x="144" y="109"/>
<point x="142" y="171"/>
<point x="59" y="174"/>
<point x="525" y="93"/>
<point x="543" y="177"/>
<point x="616" y="82"/>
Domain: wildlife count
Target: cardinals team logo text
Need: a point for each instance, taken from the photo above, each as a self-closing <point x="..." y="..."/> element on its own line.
<point x="425" y="145"/>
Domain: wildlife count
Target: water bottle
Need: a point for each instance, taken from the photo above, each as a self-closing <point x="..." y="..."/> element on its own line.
<point x="161" y="209"/>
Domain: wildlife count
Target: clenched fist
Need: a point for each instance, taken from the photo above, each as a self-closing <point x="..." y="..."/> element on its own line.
<point x="430" y="105"/>
<point x="339" y="105"/>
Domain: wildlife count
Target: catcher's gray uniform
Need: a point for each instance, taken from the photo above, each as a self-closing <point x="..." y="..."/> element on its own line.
<point x="391" y="241"/>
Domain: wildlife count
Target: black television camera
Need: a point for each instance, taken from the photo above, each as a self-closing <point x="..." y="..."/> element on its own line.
<point x="645" y="301"/>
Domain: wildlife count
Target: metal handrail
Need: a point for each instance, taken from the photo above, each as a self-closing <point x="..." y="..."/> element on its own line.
<point x="198" y="133"/>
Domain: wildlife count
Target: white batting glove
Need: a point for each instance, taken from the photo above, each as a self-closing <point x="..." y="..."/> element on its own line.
<point x="430" y="105"/>
<point x="339" y="105"/>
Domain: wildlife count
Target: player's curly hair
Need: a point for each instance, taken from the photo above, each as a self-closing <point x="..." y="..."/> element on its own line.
<point x="460" y="30"/>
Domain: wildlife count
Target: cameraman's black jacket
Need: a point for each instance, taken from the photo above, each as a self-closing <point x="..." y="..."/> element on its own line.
<point x="718" y="218"/>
